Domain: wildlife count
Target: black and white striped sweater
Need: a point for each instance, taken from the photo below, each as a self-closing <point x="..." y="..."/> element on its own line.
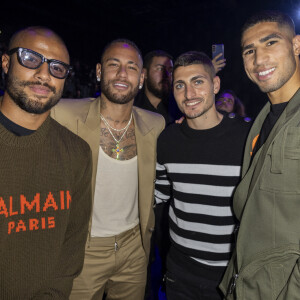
<point x="198" y="170"/>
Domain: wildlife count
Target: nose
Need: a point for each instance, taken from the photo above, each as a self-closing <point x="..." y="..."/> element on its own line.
<point x="122" y="72"/>
<point x="261" y="57"/>
<point x="42" y="73"/>
<point x="190" y="92"/>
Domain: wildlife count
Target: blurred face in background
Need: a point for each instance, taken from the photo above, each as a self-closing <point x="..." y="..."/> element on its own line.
<point x="225" y="102"/>
<point x="158" y="78"/>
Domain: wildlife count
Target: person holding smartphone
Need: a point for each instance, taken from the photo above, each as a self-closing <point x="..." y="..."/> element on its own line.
<point x="218" y="58"/>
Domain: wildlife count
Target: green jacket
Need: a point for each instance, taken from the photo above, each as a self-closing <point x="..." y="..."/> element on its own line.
<point x="266" y="262"/>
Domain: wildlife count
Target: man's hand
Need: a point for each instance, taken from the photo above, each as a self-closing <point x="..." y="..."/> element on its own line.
<point x="219" y="64"/>
<point x="179" y="121"/>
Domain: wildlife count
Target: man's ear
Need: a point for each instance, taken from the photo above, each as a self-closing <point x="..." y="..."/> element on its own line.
<point x="296" y="44"/>
<point x="142" y="77"/>
<point x="217" y="84"/>
<point x="98" y="70"/>
<point x="5" y="63"/>
<point x="145" y="72"/>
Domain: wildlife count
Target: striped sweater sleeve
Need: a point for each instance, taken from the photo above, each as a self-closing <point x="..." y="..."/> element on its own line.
<point x="162" y="185"/>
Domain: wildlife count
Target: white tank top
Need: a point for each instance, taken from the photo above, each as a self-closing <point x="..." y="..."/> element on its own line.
<point x="116" y="196"/>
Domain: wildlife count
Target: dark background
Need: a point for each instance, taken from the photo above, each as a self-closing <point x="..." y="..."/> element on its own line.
<point x="175" y="26"/>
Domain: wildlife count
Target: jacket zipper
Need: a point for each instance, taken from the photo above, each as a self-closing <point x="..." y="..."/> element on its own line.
<point x="235" y="276"/>
<point x="233" y="283"/>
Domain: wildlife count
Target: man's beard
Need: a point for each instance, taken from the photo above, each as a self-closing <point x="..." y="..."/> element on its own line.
<point x="162" y="92"/>
<point x="114" y="96"/>
<point x="197" y="114"/>
<point x="289" y="70"/>
<point x="280" y="81"/>
<point x="15" y="89"/>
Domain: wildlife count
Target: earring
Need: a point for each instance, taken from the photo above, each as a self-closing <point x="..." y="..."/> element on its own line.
<point x="98" y="78"/>
<point x="140" y="87"/>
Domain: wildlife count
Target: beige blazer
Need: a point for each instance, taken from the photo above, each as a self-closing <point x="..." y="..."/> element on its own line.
<point x="82" y="116"/>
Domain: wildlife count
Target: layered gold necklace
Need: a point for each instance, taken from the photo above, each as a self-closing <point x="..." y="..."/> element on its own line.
<point x="117" y="148"/>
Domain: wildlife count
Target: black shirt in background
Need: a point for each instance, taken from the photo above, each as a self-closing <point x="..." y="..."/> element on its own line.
<point x="168" y="109"/>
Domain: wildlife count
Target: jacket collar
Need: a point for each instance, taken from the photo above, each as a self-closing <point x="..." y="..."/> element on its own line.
<point x="284" y="119"/>
<point x="93" y="120"/>
<point x="139" y="122"/>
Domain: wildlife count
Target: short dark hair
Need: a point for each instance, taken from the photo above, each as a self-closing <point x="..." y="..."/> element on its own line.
<point x="195" y="58"/>
<point x="123" y="41"/>
<point x="282" y="19"/>
<point x="155" y="53"/>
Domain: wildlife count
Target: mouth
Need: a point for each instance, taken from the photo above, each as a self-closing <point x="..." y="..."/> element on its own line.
<point x="40" y="89"/>
<point x="121" y="85"/>
<point x="191" y="103"/>
<point x="266" y="74"/>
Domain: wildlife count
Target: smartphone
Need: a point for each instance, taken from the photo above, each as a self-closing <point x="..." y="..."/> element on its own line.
<point x="217" y="49"/>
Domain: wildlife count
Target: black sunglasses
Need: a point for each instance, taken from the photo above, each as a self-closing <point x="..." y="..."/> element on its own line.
<point x="33" y="60"/>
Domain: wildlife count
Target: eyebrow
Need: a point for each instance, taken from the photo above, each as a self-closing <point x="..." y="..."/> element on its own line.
<point x="179" y="81"/>
<point x="263" y="40"/>
<point x="117" y="60"/>
<point x="164" y="66"/>
<point x="197" y="77"/>
<point x="111" y="58"/>
<point x="192" y="79"/>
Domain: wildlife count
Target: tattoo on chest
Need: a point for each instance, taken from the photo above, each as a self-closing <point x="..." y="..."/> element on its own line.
<point x="124" y="150"/>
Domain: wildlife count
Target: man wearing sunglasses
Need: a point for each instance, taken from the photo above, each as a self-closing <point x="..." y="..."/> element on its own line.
<point x="45" y="178"/>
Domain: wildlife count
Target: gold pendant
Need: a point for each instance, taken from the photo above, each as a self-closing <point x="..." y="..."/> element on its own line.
<point x="118" y="150"/>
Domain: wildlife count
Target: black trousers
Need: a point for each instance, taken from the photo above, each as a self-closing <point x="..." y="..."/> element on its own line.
<point x="182" y="284"/>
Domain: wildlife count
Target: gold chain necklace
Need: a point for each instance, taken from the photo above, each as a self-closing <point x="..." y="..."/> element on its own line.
<point x="115" y="129"/>
<point x="117" y="149"/>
